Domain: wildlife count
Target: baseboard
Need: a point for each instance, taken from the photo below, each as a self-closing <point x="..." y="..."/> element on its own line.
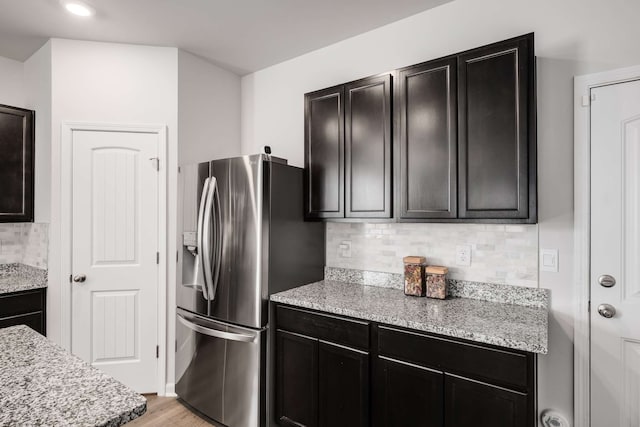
<point x="170" y="390"/>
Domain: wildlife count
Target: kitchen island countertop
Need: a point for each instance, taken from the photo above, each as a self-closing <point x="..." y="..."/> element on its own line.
<point x="42" y="384"/>
<point x="506" y="325"/>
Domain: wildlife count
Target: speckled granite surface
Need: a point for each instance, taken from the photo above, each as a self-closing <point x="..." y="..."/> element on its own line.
<point x="20" y="277"/>
<point x="506" y="325"/>
<point x="43" y="385"/>
<point x="520" y="295"/>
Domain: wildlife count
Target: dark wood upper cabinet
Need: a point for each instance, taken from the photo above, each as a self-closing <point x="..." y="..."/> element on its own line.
<point x="16" y="164"/>
<point x="427" y="140"/>
<point x="368" y="148"/>
<point x="497" y="142"/>
<point x="465" y="147"/>
<point x="324" y="153"/>
<point x="348" y="150"/>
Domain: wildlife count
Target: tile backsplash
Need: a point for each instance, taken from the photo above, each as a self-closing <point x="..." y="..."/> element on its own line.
<point x="25" y="243"/>
<point x="499" y="253"/>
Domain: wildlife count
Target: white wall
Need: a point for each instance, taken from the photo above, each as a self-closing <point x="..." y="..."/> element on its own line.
<point x="572" y="37"/>
<point x="37" y="78"/>
<point x="110" y="83"/>
<point x="11" y="83"/>
<point x="208" y="110"/>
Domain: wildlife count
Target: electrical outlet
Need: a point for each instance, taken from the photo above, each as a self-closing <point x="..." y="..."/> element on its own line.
<point x="344" y="249"/>
<point x="463" y="255"/>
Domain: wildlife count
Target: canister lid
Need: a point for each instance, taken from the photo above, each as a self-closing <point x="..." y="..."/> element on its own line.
<point x="414" y="260"/>
<point x="434" y="269"/>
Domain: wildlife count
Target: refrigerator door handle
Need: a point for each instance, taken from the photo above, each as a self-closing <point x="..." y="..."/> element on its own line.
<point x="217" y="238"/>
<point x="231" y="336"/>
<point x="206" y="239"/>
<point x="200" y="235"/>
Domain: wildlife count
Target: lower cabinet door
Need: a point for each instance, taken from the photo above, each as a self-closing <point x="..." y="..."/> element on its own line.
<point x="343" y="398"/>
<point x="296" y="380"/>
<point x="474" y="404"/>
<point x="408" y="395"/>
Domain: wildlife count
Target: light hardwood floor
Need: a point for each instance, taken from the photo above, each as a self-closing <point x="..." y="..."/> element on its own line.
<point x="168" y="411"/>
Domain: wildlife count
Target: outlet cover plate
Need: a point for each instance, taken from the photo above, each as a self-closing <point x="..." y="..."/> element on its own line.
<point x="463" y="255"/>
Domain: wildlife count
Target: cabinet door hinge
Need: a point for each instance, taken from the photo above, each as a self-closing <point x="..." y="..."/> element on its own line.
<point x="157" y="352"/>
<point x="589" y="307"/>
<point x="157" y="257"/>
<point x="70" y="278"/>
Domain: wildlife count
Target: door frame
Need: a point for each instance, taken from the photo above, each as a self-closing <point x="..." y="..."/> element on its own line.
<point x="582" y="233"/>
<point x="66" y="180"/>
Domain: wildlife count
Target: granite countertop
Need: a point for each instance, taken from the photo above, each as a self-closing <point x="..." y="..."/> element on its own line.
<point x="20" y="277"/>
<point x="41" y="384"/>
<point x="503" y="324"/>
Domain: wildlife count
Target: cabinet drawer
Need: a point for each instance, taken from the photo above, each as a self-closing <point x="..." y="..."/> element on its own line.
<point x="21" y="303"/>
<point x="338" y="330"/>
<point x="33" y="320"/>
<point x="501" y="367"/>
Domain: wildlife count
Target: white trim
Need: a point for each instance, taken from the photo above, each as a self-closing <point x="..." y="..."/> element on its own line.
<point x="582" y="211"/>
<point x="170" y="390"/>
<point x="66" y="159"/>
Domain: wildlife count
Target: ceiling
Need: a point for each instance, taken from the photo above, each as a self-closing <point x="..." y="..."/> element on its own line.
<point x="240" y="35"/>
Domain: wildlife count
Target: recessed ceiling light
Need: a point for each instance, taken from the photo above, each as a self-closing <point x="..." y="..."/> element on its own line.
<point x="78" y="8"/>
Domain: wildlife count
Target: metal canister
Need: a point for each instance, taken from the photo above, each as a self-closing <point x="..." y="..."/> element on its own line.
<point x="414" y="275"/>
<point x="436" y="279"/>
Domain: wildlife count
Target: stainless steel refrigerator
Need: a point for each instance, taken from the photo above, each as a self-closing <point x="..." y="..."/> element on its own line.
<point x="243" y="239"/>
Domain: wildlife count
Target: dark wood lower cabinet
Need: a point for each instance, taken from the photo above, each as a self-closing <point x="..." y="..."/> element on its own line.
<point x="24" y="308"/>
<point x="471" y="403"/>
<point x="329" y="372"/>
<point x="408" y="395"/>
<point x="297" y="379"/>
<point x="343" y="386"/>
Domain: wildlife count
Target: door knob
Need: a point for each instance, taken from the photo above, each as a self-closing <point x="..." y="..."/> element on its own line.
<point x="607" y="310"/>
<point x="79" y="278"/>
<point x="606" y="280"/>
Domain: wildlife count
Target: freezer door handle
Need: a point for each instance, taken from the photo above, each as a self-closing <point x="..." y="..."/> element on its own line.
<point x="201" y="236"/>
<point x="207" y="330"/>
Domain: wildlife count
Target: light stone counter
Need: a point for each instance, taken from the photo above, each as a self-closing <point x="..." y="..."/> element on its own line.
<point x="20" y="277"/>
<point x="504" y="324"/>
<point x="41" y="384"/>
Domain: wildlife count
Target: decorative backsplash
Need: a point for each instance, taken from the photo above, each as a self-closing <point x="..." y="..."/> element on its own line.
<point x="25" y="243"/>
<point x="506" y="254"/>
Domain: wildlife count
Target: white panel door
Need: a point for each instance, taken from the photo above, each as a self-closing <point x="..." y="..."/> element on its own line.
<point x="115" y="228"/>
<point x="615" y="251"/>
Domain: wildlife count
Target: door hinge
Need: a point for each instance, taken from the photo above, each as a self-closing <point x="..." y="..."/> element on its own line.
<point x="588" y="99"/>
<point x="157" y="352"/>
<point x="156" y="163"/>
<point x="177" y="256"/>
<point x="179" y="170"/>
<point x="157" y="257"/>
<point x="589" y="307"/>
<point x="70" y="278"/>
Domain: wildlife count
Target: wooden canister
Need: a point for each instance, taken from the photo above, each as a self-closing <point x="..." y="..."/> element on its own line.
<point x="414" y="275"/>
<point x="436" y="280"/>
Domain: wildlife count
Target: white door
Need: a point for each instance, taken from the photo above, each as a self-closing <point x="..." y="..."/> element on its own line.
<point x="615" y="251"/>
<point x="114" y="245"/>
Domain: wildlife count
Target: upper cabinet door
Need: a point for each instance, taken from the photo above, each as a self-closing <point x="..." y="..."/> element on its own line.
<point x="368" y="148"/>
<point x="16" y="164"/>
<point x="324" y="153"/>
<point x="496" y="117"/>
<point x="427" y="134"/>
